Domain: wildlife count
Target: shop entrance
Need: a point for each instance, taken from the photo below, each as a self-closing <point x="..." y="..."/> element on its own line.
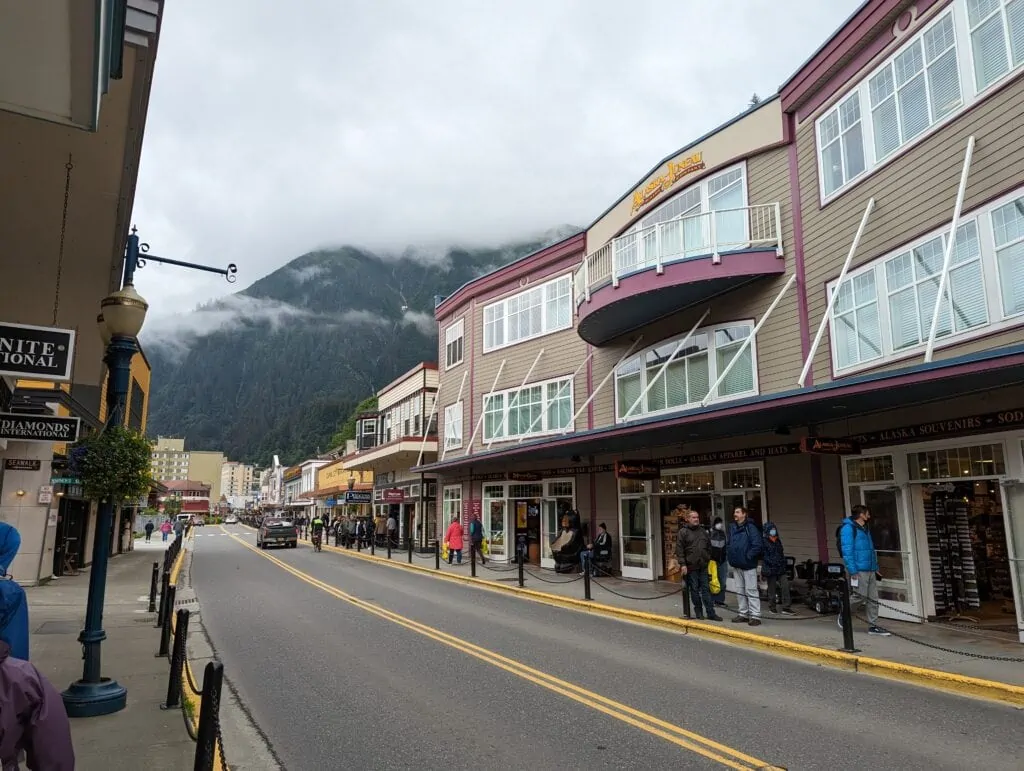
<point x="967" y="551"/>
<point x="702" y="504"/>
<point x="72" y="522"/>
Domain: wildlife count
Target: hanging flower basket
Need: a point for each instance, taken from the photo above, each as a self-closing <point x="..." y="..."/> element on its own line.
<point x="114" y="465"/>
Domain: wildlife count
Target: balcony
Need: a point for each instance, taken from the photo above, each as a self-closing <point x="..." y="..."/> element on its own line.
<point x="646" y="274"/>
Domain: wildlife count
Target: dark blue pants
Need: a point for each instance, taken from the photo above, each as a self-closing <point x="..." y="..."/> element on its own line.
<point x="699" y="584"/>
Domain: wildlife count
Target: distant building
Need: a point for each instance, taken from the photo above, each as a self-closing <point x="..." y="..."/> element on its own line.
<point x="236" y="479"/>
<point x="171" y="462"/>
<point x="193" y="494"/>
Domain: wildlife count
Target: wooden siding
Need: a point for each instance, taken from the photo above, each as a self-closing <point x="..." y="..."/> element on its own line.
<point x="449" y="380"/>
<point x="778" y="343"/>
<point x="401" y="390"/>
<point x="788" y="502"/>
<point x="914" y="194"/>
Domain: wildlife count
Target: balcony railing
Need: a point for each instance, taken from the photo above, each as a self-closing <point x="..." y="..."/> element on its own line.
<point x="686" y="238"/>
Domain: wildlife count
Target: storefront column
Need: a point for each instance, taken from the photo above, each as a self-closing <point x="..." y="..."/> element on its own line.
<point x="21" y="509"/>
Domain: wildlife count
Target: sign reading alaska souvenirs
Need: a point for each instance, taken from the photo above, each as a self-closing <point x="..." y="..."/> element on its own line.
<point x="38" y="428"/>
<point x="45" y="353"/>
<point x="674" y="172"/>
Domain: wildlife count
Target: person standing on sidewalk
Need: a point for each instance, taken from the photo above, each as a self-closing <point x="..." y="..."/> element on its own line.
<point x="744" y="550"/>
<point x="693" y="552"/>
<point x="165" y="529"/>
<point x="13" y="604"/>
<point x="861" y="561"/>
<point x="476" y="537"/>
<point x="149" y="530"/>
<point x="773" y="568"/>
<point x="453" y="540"/>
<point x="718" y="541"/>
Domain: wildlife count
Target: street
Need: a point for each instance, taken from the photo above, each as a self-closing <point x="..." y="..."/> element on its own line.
<point x="343" y="663"/>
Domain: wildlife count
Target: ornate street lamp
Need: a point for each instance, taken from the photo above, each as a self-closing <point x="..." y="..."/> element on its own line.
<point x="123" y="314"/>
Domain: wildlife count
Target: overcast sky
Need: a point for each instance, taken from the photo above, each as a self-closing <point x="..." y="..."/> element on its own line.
<point x="275" y="128"/>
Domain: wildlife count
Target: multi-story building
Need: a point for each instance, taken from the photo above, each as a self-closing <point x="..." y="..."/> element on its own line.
<point x="236" y="480"/>
<point x="204" y="466"/>
<point x="696" y="353"/>
<point x="340" y="489"/>
<point x="271" y="486"/>
<point x="401" y="434"/>
<point x="192" y="495"/>
<point x="79" y="92"/>
<point x="169" y="460"/>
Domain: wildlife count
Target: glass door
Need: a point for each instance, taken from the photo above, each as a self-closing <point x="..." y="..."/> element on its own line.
<point x="892" y="530"/>
<point x="636" y="538"/>
<point x="548" y="532"/>
<point x="496" y="529"/>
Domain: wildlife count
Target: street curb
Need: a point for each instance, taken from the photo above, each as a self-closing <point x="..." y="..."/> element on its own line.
<point x="963" y="685"/>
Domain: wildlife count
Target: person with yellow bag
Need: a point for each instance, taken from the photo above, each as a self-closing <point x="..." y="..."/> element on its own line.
<point x="693" y="552"/>
<point x="718" y="567"/>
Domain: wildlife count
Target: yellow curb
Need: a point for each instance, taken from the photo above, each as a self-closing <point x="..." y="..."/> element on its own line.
<point x="962" y="685"/>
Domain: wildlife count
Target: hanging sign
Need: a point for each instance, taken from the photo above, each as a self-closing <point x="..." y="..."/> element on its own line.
<point x="821" y="445"/>
<point x="637" y="469"/>
<point x="394" y="495"/>
<point x="45" y="353"/>
<point x="38" y="428"/>
<point x="21" y="464"/>
<point x="358" y="496"/>
<point x="524" y="476"/>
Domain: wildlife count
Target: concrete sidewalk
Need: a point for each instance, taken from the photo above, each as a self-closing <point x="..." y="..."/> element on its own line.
<point x="155" y="739"/>
<point x="931" y="646"/>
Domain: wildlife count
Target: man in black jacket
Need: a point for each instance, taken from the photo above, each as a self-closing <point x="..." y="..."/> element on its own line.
<point x="693" y="552"/>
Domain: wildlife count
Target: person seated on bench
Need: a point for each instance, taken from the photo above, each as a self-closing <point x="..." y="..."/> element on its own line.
<point x="602" y="551"/>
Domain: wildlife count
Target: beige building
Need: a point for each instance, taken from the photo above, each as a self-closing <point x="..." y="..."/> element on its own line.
<point x="205" y="466"/>
<point x="171" y="462"/>
<point x="700" y="361"/>
<point x="237" y="479"/>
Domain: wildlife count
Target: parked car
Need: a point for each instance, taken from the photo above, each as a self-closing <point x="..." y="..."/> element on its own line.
<point x="231" y="520"/>
<point x="277" y="531"/>
<point x="198" y="520"/>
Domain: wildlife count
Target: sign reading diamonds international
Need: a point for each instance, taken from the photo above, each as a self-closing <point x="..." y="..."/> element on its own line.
<point x="45" y="353"/>
<point x="38" y="428"/>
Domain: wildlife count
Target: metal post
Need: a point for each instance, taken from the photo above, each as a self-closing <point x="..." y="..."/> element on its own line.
<point x="165" y="583"/>
<point x="373" y="544"/>
<point x="601" y="385"/>
<point x="177" y="660"/>
<point x="165" y="630"/>
<point x="514" y="399"/>
<point x="847" y="614"/>
<point x="687" y="610"/>
<point x="951" y="243"/>
<point x="472" y="559"/>
<point x="410" y="548"/>
<point x="519" y="559"/>
<point x="387" y="535"/>
<point x="663" y="367"/>
<point x="827" y="318"/>
<point x="746" y="343"/>
<point x="586" y="581"/>
<point x="154" y="579"/>
<point x="209" y="717"/>
<point x="480" y="422"/>
<point x="437" y="555"/>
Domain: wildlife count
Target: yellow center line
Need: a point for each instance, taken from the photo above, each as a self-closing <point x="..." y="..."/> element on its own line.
<point x="720" y="753"/>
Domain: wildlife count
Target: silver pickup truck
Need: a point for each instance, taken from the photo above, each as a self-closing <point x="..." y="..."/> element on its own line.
<point x="277" y="531"/>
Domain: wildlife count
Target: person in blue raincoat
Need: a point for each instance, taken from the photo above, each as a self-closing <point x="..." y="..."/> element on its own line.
<point x="13" y="605"/>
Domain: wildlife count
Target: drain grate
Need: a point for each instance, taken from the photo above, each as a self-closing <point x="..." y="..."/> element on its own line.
<point x="59" y="627"/>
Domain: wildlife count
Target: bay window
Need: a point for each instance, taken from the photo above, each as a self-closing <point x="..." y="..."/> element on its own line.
<point x="686" y="380"/>
<point x="538" y="311"/>
<point x="884" y="309"/>
<point x="941" y="70"/>
<point x="533" y="410"/>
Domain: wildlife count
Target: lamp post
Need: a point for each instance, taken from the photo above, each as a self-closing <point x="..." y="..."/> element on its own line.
<point x="123" y="314"/>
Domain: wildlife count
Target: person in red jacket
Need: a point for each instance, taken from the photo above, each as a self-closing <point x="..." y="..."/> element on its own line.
<point x="453" y="538"/>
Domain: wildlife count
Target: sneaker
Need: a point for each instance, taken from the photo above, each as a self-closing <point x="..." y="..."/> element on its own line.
<point x="755" y="622"/>
<point x="877" y="631"/>
<point x="788" y="612"/>
<point x="740" y="620"/>
<point x="714" y="618"/>
<point x="772" y="609"/>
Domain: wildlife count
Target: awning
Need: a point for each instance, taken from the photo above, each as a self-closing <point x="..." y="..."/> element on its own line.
<point x="847" y="398"/>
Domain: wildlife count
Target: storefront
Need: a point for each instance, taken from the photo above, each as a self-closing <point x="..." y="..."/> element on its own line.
<point x="411" y="500"/>
<point x="948" y="526"/>
<point x="531" y="509"/>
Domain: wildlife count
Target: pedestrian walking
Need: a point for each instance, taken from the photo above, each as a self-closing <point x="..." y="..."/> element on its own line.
<point x="149" y="530"/>
<point x="165" y="529"/>
<point x="718" y="542"/>
<point x="744" y="550"/>
<point x="861" y="560"/>
<point x="693" y="552"/>
<point x="775" y="571"/>
<point x="453" y="540"/>
<point x="392" y="530"/>
<point x="476" y="538"/>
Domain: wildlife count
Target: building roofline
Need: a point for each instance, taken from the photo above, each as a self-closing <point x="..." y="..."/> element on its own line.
<point x="428" y="365"/>
<point x="481" y="284"/>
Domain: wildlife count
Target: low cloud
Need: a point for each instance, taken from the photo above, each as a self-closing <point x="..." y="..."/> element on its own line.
<point x="424" y="322"/>
<point x="308" y="272"/>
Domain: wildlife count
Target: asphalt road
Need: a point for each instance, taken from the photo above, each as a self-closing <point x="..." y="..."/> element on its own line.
<point x="343" y="663"/>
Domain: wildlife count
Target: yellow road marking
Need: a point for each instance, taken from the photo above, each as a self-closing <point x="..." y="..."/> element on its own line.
<point x="674" y="734"/>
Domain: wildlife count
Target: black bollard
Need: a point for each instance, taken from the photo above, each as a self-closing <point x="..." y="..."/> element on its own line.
<point x="359" y="544"/>
<point x="165" y="583"/>
<point x="373" y="545"/>
<point x="519" y="559"/>
<point x="389" y="545"/>
<point x="586" y="582"/>
<point x="437" y="555"/>
<point x="686" y="597"/>
<point x="410" y="549"/>
<point x="177" y="661"/>
<point x="209" y="717"/>
<point x="154" y="579"/>
<point x="165" y="631"/>
<point x="472" y="559"/>
<point x="847" y="615"/>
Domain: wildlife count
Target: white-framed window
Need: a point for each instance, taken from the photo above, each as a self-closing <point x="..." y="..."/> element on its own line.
<point x="451" y="503"/>
<point x="941" y="70"/>
<point x="884" y="309"/>
<point x="453" y="426"/>
<point x="533" y="410"/>
<point x="453" y="344"/>
<point x="687" y="378"/>
<point x="537" y="311"/>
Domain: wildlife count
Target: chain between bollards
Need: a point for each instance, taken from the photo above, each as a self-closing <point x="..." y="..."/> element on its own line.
<point x="154" y="580"/>
<point x="177" y="660"/>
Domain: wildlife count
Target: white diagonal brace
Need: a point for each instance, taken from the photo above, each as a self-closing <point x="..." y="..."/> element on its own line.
<point x="515" y="399"/>
<point x="827" y="318"/>
<point x="480" y="422"/>
<point x="663" y="367"/>
<point x="426" y="427"/>
<point x="950" y="245"/>
<point x="558" y="396"/>
<point x="746" y="343"/>
<point x="444" y="436"/>
<point x="601" y="385"/>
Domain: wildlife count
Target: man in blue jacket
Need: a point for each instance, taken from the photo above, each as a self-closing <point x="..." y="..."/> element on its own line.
<point x="744" y="549"/>
<point x="861" y="564"/>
